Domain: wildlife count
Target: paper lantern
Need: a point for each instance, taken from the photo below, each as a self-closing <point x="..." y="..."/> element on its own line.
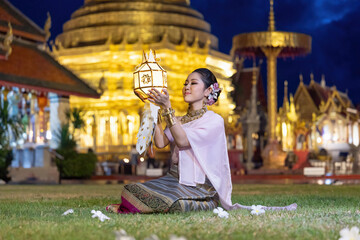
<point x="42" y="101"/>
<point x="149" y="75"/>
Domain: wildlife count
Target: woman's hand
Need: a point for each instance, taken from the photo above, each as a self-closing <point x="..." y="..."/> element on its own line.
<point x="158" y="98"/>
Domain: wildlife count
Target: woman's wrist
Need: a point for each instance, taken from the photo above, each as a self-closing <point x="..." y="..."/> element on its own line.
<point x="165" y="106"/>
<point x="168" y="115"/>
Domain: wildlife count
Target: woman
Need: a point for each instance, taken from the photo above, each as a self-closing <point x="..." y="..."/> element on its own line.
<point x="199" y="178"/>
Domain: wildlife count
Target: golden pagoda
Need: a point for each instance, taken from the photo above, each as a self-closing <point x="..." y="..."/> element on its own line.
<point x="103" y="43"/>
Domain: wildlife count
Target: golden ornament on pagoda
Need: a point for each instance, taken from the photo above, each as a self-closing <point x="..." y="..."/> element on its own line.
<point x="149" y="75"/>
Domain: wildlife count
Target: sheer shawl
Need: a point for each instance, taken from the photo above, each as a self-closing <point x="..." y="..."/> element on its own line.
<point x="208" y="157"/>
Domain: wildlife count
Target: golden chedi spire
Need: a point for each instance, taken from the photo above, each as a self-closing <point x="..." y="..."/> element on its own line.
<point x="271" y="27"/>
<point x="292" y="115"/>
<point x="144" y="21"/>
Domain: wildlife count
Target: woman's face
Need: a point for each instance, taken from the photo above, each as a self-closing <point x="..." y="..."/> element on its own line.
<point x="194" y="89"/>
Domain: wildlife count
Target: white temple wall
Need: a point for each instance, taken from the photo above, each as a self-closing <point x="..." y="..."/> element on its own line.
<point x="58" y="107"/>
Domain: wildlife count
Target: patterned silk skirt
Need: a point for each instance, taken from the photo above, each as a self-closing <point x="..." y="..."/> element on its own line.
<point x="167" y="195"/>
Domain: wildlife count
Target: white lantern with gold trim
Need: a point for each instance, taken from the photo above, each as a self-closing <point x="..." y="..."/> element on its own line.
<point x="149" y="74"/>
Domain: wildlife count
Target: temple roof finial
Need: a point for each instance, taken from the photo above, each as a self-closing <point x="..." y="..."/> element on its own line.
<point x="323" y="83"/>
<point x="271" y="17"/>
<point x="312" y="77"/>
<point x="47" y="27"/>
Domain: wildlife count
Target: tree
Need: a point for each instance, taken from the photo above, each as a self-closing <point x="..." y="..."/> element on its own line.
<point x="76" y="117"/>
<point x="11" y="129"/>
<point x="72" y="164"/>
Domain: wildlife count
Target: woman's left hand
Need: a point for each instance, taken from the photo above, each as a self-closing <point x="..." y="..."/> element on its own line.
<point x="160" y="99"/>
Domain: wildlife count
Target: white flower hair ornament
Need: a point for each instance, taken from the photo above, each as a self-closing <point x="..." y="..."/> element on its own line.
<point x="213" y="96"/>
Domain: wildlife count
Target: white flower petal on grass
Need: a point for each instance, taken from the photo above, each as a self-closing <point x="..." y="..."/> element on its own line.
<point x="68" y="212"/>
<point x="102" y="217"/>
<point x="122" y="235"/>
<point x="217" y="210"/>
<point x="221" y="212"/>
<point x="352" y="234"/>
<point x="152" y="237"/>
<point x="174" y="237"/>
<point x="257" y="210"/>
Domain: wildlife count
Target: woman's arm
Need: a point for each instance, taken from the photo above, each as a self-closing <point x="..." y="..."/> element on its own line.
<point x="178" y="133"/>
<point x="160" y="138"/>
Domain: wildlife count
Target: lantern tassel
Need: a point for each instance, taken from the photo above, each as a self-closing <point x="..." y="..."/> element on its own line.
<point x="148" y="123"/>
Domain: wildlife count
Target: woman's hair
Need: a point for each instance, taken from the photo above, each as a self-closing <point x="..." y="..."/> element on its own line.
<point x="206" y="76"/>
<point x="208" y="79"/>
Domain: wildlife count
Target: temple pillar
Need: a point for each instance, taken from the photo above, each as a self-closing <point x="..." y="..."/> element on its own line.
<point x="273" y="156"/>
<point x="58" y="106"/>
<point x="271" y="58"/>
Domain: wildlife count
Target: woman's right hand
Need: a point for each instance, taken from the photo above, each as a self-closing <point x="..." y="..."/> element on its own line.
<point x="160" y="99"/>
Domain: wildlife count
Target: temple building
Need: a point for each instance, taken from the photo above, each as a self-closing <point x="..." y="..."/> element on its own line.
<point x="103" y="43"/>
<point x="318" y="116"/>
<point x="37" y="89"/>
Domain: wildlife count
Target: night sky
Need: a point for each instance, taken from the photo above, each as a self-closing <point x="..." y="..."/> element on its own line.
<point x="333" y="25"/>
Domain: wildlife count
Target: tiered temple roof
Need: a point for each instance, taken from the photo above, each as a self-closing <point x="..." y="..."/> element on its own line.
<point x="319" y="98"/>
<point x="30" y="65"/>
<point x="22" y="26"/>
<point x="129" y="22"/>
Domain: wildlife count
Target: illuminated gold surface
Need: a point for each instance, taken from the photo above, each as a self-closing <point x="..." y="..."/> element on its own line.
<point x="288" y="123"/>
<point x="113" y="49"/>
<point x="292" y="44"/>
<point x="271" y="55"/>
<point x="146" y="22"/>
<point x="271" y="17"/>
<point x="121" y="102"/>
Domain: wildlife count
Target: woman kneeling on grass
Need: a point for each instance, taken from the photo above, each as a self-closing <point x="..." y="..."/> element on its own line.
<point x="199" y="178"/>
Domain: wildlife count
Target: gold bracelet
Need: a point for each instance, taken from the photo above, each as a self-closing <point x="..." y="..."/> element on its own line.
<point x="170" y="120"/>
<point x="167" y="111"/>
<point x="168" y="115"/>
<point x="159" y="117"/>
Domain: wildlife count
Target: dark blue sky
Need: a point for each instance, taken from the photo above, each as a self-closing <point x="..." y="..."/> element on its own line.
<point x="333" y="25"/>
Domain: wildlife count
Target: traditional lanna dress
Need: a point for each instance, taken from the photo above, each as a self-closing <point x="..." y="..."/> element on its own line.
<point x="199" y="178"/>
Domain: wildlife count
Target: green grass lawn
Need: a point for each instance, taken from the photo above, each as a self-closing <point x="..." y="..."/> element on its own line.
<point x="35" y="212"/>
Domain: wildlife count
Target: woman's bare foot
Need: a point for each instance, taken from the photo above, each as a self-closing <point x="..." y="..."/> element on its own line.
<point x="113" y="208"/>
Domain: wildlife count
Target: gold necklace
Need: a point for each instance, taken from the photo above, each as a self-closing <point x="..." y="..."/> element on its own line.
<point x="193" y="115"/>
